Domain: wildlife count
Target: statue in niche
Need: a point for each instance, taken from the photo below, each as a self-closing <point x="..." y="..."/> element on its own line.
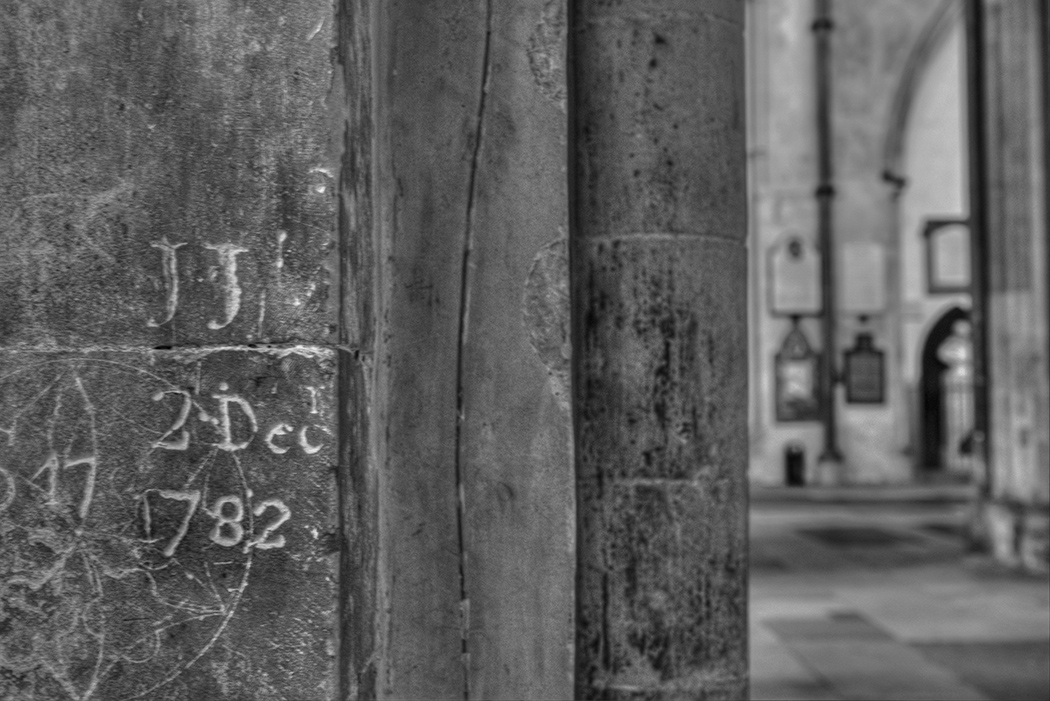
<point x="958" y="401"/>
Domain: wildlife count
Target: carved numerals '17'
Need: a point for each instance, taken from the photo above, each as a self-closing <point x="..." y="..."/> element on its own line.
<point x="228" y="514"/>
<point x="53" y="466"/>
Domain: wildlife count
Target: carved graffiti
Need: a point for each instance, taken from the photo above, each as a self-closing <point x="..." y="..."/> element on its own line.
<point x="224" y="275"/>
<point x="225" y="423"/>
<point x="231" y="287"/>
<point x="170" y="270"/>
<point x="282" y="236"/>
<point x="8" y="494"/>
<point x="127" y="513"/>
<point x="280" y="429"/>
<point x="304" y="443"/>
<point x="183" y="441"/>
<point x="266" y="539"/>
<point x="192" y="497"/>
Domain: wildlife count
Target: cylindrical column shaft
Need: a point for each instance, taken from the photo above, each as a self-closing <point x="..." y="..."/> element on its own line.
<point x="1014" y="127"/>
<point x="977" y="172"/>
<point x="659" y="271"/>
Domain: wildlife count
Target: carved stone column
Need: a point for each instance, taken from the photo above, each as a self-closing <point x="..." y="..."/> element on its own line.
<point x="1016" y="503"/>
<point x="661" y="359"/>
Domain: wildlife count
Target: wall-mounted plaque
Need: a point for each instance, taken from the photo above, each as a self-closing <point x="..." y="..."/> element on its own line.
<point x="862" y="277"/>
<point x="947" y="256"/>
<point x="794" y="285"/>
<point x="865" y="372"/>
<point x="797" y="370"/>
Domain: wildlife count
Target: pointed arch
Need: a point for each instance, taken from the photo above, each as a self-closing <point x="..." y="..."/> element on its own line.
<point x="932" y="37"/>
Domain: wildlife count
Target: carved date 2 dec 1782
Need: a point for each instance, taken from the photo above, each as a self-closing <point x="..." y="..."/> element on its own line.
<point x="137" y="499"/>
<point x="228" y="530"/>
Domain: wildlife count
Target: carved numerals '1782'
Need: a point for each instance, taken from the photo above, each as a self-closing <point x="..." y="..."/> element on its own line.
<point x="227" y="512"/>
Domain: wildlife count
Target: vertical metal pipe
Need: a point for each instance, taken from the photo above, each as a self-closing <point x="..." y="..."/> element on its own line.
<point x="1044" y="82"/>
<point x="978" y="177"/>
<point x="659" y="278"/>
<point x="822" y="27"/>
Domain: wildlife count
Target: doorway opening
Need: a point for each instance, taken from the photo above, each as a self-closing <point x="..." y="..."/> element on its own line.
<point x="946" y="400"/>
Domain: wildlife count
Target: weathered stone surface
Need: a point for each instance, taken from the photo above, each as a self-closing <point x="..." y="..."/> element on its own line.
<point x="665" y="376"/>
<point x="168" y="524"/>
<point x="662" y="489"/>
<point x="640" y="56"/>
<point x="475" y="447"/>
<point x="429" y="74"/>
<point x="516" y="434"/>
<point x="659" y="285"/>
<point x="1017" y="498"/>
<point x="170" y="481"/>
<point x="673" y="557"/>
<point x="167" y="172"/>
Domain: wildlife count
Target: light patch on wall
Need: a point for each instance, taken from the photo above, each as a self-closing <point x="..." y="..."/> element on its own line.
<point x="794" y="283"/>
<point x="862" y="278"/>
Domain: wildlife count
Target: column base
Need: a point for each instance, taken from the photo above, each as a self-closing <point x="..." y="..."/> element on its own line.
<point x="1017" y="535"/>
<point x="828" y="471"/>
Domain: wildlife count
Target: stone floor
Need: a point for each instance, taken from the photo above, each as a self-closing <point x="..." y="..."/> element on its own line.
<point x="881" y="600"/>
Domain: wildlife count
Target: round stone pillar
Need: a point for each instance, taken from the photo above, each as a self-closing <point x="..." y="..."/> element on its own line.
<point x="659" y="268"/>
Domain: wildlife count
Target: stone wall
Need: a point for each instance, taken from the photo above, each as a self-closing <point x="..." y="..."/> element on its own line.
<point x="169" y="520"/>
<point x="875" y="49"/>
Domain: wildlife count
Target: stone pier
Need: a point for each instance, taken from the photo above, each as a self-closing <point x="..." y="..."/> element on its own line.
<point x="661" y="353"/>
<point x="1016" y="502"/>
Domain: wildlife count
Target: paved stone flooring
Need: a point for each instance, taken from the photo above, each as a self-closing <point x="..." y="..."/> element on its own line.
<point x="882" y="601"/>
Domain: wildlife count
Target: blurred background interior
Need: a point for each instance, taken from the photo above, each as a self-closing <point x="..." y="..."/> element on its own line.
<point x="900" y="427"/>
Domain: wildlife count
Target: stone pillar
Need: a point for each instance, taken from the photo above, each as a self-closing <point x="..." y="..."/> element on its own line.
<point x="659" y="270"/>
<point x="1017" y="505"/>
<point x="176" y="358"/>
<point x="474" y="442"/>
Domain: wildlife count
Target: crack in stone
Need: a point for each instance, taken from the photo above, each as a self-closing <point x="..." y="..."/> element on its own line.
<point x="464" y="309"/>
